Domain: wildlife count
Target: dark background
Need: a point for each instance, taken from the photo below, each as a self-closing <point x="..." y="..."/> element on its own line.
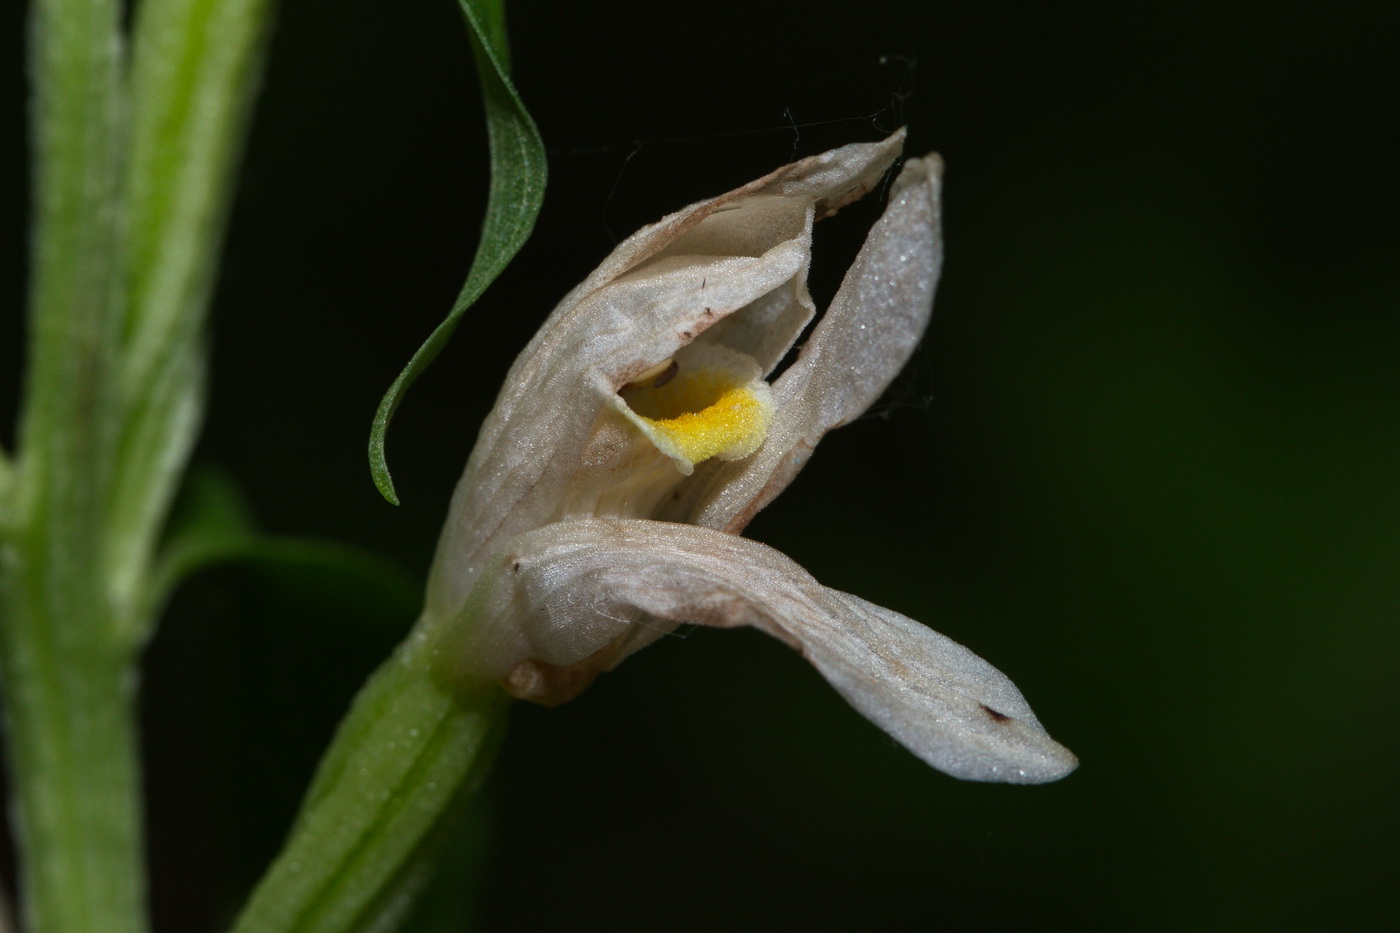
<point x="1147" y="461"/>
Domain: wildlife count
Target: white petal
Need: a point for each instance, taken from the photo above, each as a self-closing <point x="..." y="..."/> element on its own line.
<point x="576" y="591"/>
<point x="856" y="350"/>
<point x="881" y="310"/>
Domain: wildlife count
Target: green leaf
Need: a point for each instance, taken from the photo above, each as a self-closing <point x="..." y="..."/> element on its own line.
<point x="214" y="525"/>
<point x="517" y="190"/>
<point x="195" y="69"/>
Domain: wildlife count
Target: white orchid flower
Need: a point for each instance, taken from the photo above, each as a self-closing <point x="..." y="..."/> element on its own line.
<point x="639" y="433"/>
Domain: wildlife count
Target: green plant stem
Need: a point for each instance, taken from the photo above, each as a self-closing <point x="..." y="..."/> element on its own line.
<point x="195" y="69"/>
<point x="401" y="768"/>
<point x="73" y="766"/>
<point x="67" y="680"/>
<point x="132" y="170"/>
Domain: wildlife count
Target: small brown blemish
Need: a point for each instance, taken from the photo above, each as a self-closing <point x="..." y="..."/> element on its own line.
<point x="996" y="717"/>
<point x="667" y="375"/>
<point x="686" y="335"/>
<point x="515" y="567"/>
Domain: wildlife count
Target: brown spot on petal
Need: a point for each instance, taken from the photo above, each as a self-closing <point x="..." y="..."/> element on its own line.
<point x="996" y="717"/>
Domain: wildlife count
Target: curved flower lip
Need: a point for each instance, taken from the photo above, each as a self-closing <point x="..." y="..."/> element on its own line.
<point x="570" y="587"/>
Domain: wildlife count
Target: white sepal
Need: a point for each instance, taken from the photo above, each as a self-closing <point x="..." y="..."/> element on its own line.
<point x="584" y="594"/>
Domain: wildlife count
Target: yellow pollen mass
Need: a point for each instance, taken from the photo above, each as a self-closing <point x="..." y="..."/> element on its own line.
<point x="718" y="406"/>
<point x="731" y="427"/>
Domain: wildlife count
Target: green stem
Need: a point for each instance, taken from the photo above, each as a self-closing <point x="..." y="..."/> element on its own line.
<point x="73" y="766"/>
<point x="401" y="767"/>
<point x="67" y="681"/>
<point x="131" y="181"/>
<point x="194" y="73"/>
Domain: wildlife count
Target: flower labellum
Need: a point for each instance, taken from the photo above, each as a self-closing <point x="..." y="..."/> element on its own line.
<point x="642" y="429"/>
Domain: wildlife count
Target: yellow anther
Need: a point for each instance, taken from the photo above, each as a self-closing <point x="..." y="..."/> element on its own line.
<point x="709" y="402"/>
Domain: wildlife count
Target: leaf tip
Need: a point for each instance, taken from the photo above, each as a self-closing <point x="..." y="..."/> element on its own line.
<point x="379" y="470"/>
<point x="378" y="464"/>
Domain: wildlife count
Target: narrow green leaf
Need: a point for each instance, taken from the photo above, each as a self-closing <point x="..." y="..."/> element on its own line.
<point x="214" y="525"/>
<point x="195" y="68"/>
<point x="491" y="29"/>
<point x="517" y="190"/>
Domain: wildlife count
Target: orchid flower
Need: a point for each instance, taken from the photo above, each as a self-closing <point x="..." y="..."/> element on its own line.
<point x="642" y="429"/>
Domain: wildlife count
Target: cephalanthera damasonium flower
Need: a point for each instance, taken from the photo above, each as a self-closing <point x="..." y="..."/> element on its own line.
<point x="637" y="435"/>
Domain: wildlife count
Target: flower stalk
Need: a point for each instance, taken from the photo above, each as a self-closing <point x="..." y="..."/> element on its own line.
<point x="65" y="673"/>
<point x="403" y="764"/>
<point x="133" y="163"/>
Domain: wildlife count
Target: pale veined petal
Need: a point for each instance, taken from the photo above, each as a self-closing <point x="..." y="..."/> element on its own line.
<point x="580" y="595"/>
<point x="862" y="341"/>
